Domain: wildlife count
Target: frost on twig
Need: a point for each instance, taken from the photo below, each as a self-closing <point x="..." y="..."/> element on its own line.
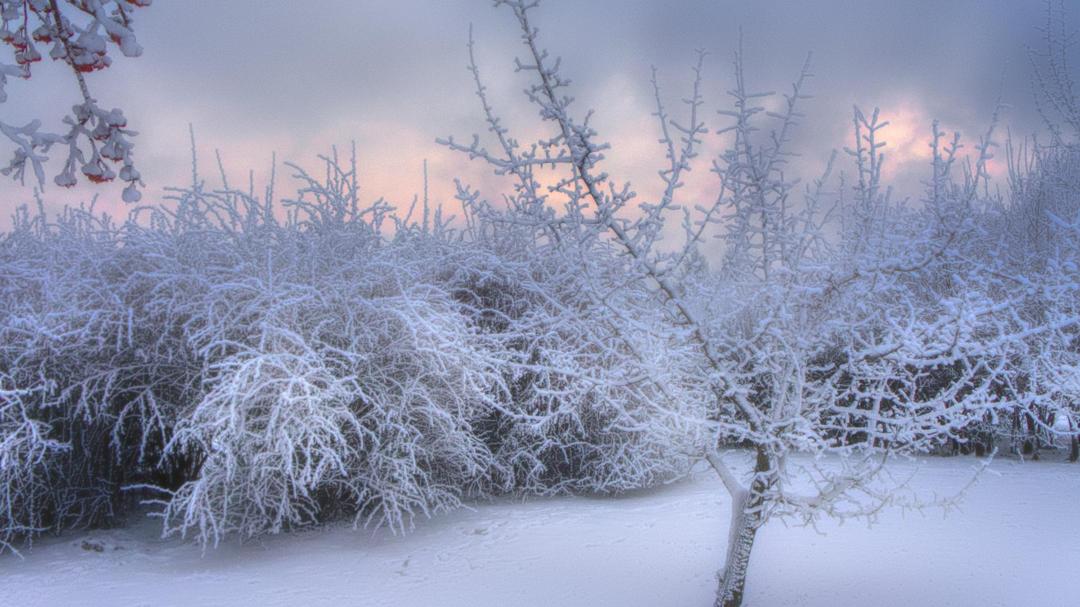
<point x="79" y="33"/>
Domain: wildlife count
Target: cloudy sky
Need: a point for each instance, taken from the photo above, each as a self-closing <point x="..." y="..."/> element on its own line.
<point x="260" y="76"/>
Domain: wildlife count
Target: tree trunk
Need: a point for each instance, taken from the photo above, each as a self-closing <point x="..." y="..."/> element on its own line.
<point x="746" y="518"/>
<point x="1074" y="443"/>
<point x="741" y="541"/>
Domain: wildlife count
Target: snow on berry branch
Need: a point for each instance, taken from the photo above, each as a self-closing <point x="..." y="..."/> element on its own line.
<point x="78" y="33"/>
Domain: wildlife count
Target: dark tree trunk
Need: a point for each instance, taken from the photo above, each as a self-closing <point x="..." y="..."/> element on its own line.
<point x="1074" y="443"/>
<point x="746" y="518"/>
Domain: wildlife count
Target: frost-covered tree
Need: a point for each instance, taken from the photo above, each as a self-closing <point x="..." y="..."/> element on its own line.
<point x="1054" y="82"/>
<point x="81" y="34"/>
<point x="819" y="363"/>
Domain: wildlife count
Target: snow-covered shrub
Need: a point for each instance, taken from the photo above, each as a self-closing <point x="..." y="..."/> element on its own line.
<point x="357" y="399"/>
<point x="84" y="367"/>
<point x="26" y="452"/>
<point x="582" y="367"/>
<point x="253" y="366"/>
<point x="1032" y="237"/>
<point x="337" y="378"/>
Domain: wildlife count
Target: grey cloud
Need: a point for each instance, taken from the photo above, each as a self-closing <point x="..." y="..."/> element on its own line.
<point x="254" y="74"/>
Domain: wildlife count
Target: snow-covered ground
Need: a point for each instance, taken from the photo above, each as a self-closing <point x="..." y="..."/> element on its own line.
<point x="1014" y="541"/>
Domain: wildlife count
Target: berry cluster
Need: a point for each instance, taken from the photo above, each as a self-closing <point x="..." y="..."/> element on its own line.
<point x="81" y="34"/>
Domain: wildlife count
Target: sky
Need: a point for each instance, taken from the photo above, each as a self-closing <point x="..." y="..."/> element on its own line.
<point x="256" y="78"/>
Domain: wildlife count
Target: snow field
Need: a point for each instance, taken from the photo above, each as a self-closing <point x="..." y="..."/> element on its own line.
<point x="1013" y="541"/>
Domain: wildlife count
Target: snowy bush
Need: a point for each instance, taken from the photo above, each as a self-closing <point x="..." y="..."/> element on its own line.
<point x="579" y="415"/>
<point x="1032" y="237"/>
<point x="252" y="366"/>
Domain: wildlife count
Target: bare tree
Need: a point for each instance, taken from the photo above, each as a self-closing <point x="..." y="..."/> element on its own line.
<point x="812" y="363"/>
